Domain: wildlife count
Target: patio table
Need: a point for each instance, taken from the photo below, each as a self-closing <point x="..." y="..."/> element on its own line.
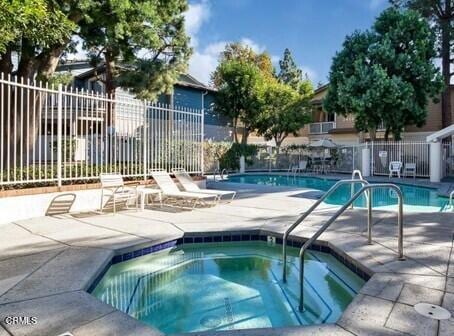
<point x="145" y="192"/>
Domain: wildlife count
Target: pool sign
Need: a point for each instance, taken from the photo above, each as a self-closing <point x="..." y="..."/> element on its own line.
<point x="383" y="155"/>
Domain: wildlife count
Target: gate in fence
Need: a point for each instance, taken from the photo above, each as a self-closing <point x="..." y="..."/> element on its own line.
<point x="349" y="158"/>
<point x="53" y="135"/>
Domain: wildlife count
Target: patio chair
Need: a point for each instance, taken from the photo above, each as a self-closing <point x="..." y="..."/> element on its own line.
<point x="301" y="167"/>
<point x="394" y="168"/>
<point x="113" y="186"/>
<point x="170" y="190"/>
<point x="189" y="185"/>
<point x="317" y="165"/>
<point x="409" y="168"/>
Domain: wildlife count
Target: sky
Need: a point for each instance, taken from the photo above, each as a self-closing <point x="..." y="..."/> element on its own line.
<point x="313" y="30"/>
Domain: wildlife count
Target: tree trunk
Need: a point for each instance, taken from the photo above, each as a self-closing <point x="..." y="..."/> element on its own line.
<point x="372" y="134"/>
<point x="446" y="65"/>
<point x="48" y="62"/>
<point x="279" y="140"/>
<point x="6" y="62"/>
<point x="26" y="67"/>
<point x="245" y="135"/>
<point x="235" y="130"/>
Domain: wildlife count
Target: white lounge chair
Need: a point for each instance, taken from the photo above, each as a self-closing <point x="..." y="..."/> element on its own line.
<point x="117" y="191"/>
<point x="394" y="168"/>
<point x="410" y="169"/>
<point x="170" y="189"/>
<point x="188" y="184"/>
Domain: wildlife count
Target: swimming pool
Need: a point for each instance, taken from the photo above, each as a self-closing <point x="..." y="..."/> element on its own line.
<point x="415" y="198"/>
<point x="225" y="286"/>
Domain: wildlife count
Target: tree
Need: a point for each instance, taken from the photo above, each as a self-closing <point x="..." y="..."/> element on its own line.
<point x="386" y="74"/>
<point x="240" y="95"/>
<point x="440" y="14"/>
<point x="31" y="29"/>
<point x="142" y="44"/>
<point x="237" y="51"/>
<point x="289" y="72"/>
<point x="285" y="112"/>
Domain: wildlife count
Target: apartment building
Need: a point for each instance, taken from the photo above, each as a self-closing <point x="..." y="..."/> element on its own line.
<point x="341" y="130"/>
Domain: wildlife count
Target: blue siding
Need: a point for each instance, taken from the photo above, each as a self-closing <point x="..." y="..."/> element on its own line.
<point x="183" y="97"/>
<point x="192" y="98"/>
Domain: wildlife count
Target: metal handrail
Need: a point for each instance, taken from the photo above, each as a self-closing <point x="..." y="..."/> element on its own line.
<point x="220" y="172"/>
<point x="368" y="187"/>
<point x="355" y="173"/>
<point x="312" y="208"/>
<point x="451" y="199"/>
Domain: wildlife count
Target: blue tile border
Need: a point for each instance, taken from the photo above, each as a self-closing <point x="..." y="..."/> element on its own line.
<point x="351" y="264"/>
<point x="149" y="249"/>
<point x="218" y="237"/>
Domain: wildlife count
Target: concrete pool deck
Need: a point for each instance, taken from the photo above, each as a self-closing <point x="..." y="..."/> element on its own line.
<point x="48" y="263"/>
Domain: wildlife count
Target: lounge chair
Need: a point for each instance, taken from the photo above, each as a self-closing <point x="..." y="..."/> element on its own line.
<point x="394" y="168"/>
<point x="188" y="184"/>
<point x="113" y="186"/>
<point x="170" y="189"/>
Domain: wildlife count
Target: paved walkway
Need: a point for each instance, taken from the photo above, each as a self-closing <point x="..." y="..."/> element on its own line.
<point x="47" y="264"/>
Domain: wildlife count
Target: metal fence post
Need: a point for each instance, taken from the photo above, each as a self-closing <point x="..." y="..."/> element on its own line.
<point x="59" y="134"/>
<point x="144" y="139"/>
<point x="202" y="138"/>
<point x="372" y="159"/>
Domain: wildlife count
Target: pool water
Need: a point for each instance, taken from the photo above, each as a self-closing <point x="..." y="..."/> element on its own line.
<point x="415" y="198"/>
<point x="226" y="286"/>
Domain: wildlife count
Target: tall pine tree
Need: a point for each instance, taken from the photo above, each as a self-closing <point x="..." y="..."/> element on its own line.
<point x="289" y="72"/>
<point x="440" y="14"/>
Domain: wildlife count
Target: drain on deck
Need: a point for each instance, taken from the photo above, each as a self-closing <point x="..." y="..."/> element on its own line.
<point x="432" y="311"/>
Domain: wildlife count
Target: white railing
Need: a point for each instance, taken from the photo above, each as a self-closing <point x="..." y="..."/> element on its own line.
<point x="56" y="134"/>
<point x="321" y="127"/>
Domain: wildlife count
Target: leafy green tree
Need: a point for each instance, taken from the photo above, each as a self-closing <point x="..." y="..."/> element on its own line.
<point x="440" y="14"/>
<point x="286" y="111"/>
<point x="240" y="95"/>
<point x="386" y="74"/>
<point x="237" y="51"/>
<point x="142" y="43"/>
<point x="289" y="72"/>
<point x="30" y="29"/>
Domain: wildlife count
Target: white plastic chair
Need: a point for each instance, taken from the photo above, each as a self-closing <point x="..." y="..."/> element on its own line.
<point x="410" y="168"/>
<point x="302" y="166"/>
<point x="117" y="191"/>
<point x="394" y="168"/>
